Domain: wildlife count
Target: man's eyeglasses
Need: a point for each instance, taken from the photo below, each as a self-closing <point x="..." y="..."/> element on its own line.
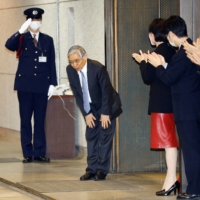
<point x="76" y="61"/>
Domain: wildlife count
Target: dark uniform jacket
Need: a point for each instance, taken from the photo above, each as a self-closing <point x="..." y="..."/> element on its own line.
<point x="160" y="100"/>
<point x="184" y="80"/>
<point x="104" y="98"/>
<point x="32" y="75"/>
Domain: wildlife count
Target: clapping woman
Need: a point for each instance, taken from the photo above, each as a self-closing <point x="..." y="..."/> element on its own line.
<point x="163" y="133"/>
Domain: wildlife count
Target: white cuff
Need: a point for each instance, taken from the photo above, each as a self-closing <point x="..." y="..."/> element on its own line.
<point x="165" y="66"/>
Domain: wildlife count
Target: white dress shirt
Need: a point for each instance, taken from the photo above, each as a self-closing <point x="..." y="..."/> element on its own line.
<point x="36" y="35"/>
<point x="84" y="70"/>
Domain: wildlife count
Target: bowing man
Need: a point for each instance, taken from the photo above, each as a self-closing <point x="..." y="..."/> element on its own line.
<point x="100" y="105"/>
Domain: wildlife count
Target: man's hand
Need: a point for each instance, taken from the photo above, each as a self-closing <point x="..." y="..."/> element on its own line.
<point x="25" y="25"/>
<point x="156" y="59"/>
<point x="105" y="121"/>
<point x="191" y="48"/>
<point x="197" y="44"/>
<point x="193" y="51"/>
<point x="89" y="119"/>
<point x="194" y="57"/>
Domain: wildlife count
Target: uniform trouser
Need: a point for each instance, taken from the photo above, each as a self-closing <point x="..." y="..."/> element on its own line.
<point x="29" y="104"/>
<point x="189" y="135"/>
<point x="99" y="146"/>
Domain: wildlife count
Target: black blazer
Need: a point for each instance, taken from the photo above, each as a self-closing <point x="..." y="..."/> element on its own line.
<point x="160" y="94"/>
<point x="104" y="98"/>
<point x="184" y="80"/>
<point x="32" y="75"/>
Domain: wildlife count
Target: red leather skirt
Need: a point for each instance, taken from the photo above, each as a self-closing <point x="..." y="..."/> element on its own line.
<point x="163" y="132"/>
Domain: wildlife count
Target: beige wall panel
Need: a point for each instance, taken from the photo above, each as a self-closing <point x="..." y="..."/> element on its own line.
<point x="88" y="30"/>
<point x="20" y="3"/>
<point x="9" y="110"/>
<point x="63" y="37"/>
<point x="11" y="24"/>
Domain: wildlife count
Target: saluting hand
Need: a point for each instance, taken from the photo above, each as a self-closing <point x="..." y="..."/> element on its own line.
<point x="25" y="26"/>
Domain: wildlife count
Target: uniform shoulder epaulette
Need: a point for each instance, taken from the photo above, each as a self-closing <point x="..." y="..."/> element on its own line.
<point x="45" y="35"/>
<point x="26" y="33"/>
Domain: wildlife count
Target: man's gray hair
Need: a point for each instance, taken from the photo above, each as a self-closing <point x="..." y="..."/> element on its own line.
<point x="77" y="49"/>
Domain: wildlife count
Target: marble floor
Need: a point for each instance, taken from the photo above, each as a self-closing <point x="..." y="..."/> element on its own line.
<point x="59" y="179"/>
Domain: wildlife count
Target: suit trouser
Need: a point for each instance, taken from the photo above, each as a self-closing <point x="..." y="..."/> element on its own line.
<point x="99" y="146"/>
<point x="29" y="104"/>
<point x="189" y="135"/>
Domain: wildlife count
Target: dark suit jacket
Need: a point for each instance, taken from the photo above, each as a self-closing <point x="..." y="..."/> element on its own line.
<point x="185" y="85"/>
<point x="104" y="98"/>
<point x="160" y="100"/>
<point x="32" y="75"/>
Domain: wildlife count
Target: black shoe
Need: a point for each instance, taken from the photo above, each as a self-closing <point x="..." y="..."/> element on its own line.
<point x="188" y="196"/>
<point x="27" y="159"/>
<point x="42" y="159"/>
<point x="87" y="176"/>
<point x="100" y="176"/>
<point x="174" y="187"/>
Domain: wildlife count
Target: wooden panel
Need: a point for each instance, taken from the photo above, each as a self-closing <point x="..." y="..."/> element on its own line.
<point x="59" y="128"/>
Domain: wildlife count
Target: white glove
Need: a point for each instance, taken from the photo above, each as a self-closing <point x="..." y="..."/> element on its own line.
<point x="25" y="25"/>
<point x="51" y="91"/>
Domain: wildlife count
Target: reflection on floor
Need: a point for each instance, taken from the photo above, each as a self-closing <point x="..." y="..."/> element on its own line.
<point x="59" y="179"/>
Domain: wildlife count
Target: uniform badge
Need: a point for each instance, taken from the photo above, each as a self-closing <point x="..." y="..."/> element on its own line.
<point x="35" y="12"/>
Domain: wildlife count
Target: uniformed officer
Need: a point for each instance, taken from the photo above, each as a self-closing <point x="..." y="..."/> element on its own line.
<point x="35" y="80"/>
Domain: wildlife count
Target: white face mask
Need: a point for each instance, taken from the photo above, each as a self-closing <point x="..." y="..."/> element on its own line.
<point x="35" y="25"/>
<point x="172" y="44"/>
<point x="151" y="40"/>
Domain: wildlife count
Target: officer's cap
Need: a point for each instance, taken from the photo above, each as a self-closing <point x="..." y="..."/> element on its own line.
<point x="35" y="13"/>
